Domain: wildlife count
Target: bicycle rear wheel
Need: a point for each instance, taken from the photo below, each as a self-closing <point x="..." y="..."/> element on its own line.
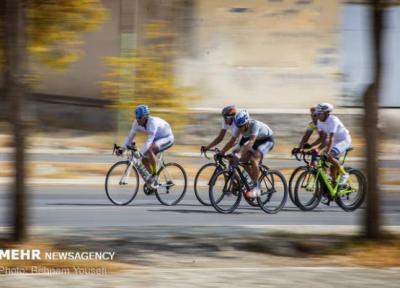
<point x="307" y="192"/>
<point x="352" y="195"/>
<point x="202" y="182"/>
<point x="122" y="183"/>
<point x="225" y="193"/>
<point x="172" y="183"/>
<point x="274" y="192"/>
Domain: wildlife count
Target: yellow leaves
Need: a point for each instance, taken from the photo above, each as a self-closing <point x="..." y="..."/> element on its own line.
<point x="146" y="76"/>
<point x="54" y="28"/>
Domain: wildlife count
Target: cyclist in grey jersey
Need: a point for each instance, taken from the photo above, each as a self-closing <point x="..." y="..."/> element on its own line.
<point x="261" y="130"/>
<point x="257" y="140"/>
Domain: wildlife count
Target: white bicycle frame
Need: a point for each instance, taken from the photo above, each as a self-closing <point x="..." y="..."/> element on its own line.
<point x="133" y="161"/>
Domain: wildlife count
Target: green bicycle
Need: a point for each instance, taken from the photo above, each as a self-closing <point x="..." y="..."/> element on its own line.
<point x="314" y="184"/>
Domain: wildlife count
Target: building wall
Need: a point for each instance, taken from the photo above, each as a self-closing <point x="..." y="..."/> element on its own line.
<point x="263" y="54"/>
<point x="82" y="77"/>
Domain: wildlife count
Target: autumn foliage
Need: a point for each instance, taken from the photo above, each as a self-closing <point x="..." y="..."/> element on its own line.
<point x="145" y="75"/>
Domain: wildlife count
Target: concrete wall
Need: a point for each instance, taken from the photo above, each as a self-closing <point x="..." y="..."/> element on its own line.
<point x="263" y="54"/>
<point x="82" y="77"/>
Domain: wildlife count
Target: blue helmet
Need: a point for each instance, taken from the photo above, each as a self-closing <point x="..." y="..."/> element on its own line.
<point x="142" y="111"/>
<point x="241" y="118"/>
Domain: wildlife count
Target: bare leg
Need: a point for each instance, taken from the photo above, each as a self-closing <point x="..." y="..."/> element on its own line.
<point x="146" y="163"/>
<point x="245" y="158"/>
<point x="152" y="159"/>
<point x="255" y="160"/>
<point x="334" y="168"/>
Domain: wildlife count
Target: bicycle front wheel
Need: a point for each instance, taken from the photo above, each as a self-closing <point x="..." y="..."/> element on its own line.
<point x="202" y="182"/>
<point x="225" y="193"/>
<point x="172" y="183"/>
<point x="352" y="195"/>
<point x="292" y="181"/>
<point x="273" y="190"/>
<point x="307" y="192"/>
<point x="122" y="183"/>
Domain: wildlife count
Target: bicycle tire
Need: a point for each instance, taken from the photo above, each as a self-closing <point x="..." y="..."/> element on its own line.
<point x="230" y="187"/>
<point x="292" y="182"/>
<point x="110" y="194"/>
<point x="159" y="190"/>
<point x="316" y="197"/>
<point x="267" y="179"/>
<point x="361" y="179"/>
<point x="197" y="192"/>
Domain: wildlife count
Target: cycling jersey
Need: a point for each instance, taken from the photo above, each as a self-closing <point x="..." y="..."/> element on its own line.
<point x="232" y="128"/>
<point x="260" y="129"/>
<point x="333" y="125"/>
<point x="311" y="127"/>
<point x="155" y="127"/>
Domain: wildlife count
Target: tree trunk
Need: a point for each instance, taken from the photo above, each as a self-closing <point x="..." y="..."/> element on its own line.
<point x="14" y="78"/>
<point x="371" y="103"/>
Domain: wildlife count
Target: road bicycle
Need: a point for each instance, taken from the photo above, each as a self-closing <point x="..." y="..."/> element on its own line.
<point x="315" y="184"/>
<point x="309" y="165"/>
<point x="207" y="172"/>
<point x="227" y="187"/>
<point x="122" y="180"/>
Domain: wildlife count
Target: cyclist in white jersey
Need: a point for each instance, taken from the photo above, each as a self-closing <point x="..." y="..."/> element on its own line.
<point x="336" y="139"/>
<point x="228" y="113"/>
<point x="160" y="137"/>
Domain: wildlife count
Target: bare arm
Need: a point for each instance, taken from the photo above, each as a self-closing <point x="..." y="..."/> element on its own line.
<point x="217" y="139"/>
<point x="305" y="138"/>
<point x="321" y="139"/>
<point x="230" y="144"/>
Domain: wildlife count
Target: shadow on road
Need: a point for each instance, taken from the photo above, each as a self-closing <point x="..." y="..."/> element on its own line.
<point x="187" y="211"/>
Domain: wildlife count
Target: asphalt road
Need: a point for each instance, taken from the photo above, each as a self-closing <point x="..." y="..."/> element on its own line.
<point x="87" y="206"/>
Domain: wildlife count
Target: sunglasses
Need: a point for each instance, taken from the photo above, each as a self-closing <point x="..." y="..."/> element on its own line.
<point x="228" y="116"/>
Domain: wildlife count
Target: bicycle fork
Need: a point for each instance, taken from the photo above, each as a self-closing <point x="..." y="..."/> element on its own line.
<point x="125" y="176"/>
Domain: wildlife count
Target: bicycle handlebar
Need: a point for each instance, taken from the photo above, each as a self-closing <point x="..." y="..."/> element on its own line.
<point x="130" y="147"/>
<point x="215" y="150"/>
<point x="301" y="156"/>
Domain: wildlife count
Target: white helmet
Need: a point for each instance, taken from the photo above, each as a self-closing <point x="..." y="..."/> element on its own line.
<point x="324" y="107"/>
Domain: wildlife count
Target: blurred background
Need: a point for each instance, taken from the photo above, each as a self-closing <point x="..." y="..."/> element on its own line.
<point x="275" y="58"/>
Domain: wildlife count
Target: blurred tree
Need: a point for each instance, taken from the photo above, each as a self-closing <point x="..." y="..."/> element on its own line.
<point x="371" y="100"/>
<point x="48" y="30"/>
<point x="146" y="75"/>
<point x="54" y="28"/>
<point x="14" y="88"/>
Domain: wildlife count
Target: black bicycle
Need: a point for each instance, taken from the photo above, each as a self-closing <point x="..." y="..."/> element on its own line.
<point x="228" y="186"/>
